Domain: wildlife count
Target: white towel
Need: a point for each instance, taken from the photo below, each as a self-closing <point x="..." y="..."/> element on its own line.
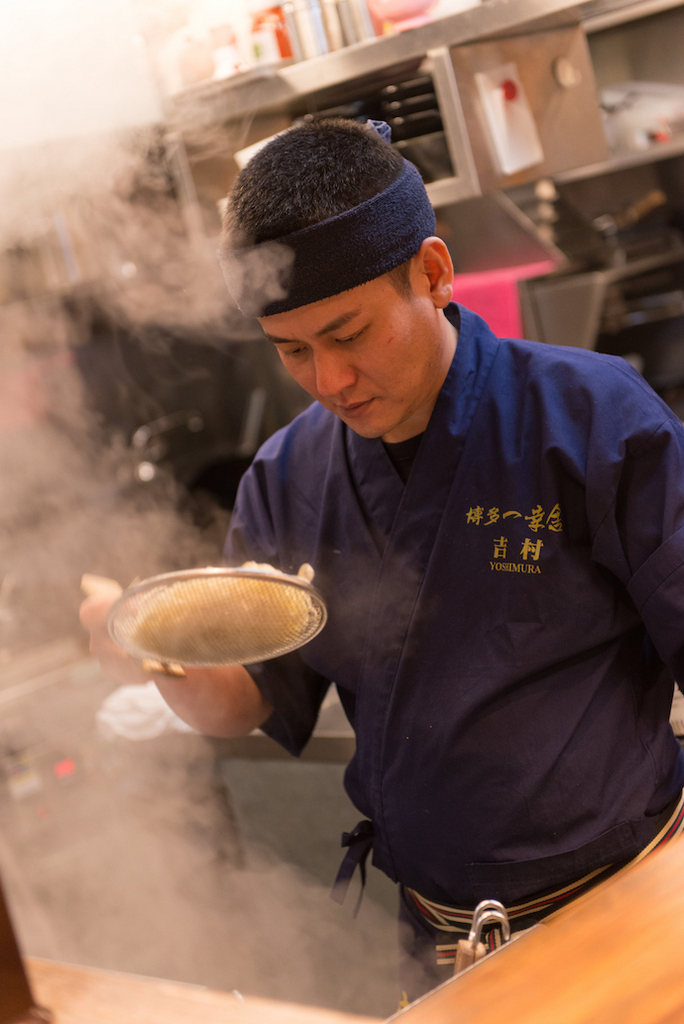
<point x="138" y="713"/>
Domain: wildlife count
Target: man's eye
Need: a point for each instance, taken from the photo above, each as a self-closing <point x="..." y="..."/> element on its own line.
<point x="294" y="351"/>
<point x="352" y="337"/>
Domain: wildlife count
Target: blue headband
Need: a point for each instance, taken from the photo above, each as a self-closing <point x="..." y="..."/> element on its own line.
<point x="334" y="255"/>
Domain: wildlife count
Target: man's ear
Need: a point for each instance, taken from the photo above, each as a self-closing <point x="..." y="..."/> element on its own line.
<point x="435" y="271"/>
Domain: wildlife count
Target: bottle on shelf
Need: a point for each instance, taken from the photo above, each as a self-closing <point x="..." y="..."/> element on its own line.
<point x="269" y="37"/>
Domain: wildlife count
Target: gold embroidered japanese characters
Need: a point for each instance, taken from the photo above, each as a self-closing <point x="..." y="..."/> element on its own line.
<point x="527" y="550"/>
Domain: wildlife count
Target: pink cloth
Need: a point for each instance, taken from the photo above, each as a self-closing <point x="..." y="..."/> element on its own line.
<point x="493" y="295"/>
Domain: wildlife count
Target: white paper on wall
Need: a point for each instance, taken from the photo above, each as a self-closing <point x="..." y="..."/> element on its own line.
<point x="511" y="127"/>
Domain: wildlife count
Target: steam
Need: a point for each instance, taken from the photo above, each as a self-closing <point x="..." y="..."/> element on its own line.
<point x="91" y="219"/>
<point x="93" y="189"/>
<point x="157" y="874"/>
<point x="73" y="68"/>
<point x="137" y="863"/>
<point x="258" y="276"/>
<point x="97" y="224"/>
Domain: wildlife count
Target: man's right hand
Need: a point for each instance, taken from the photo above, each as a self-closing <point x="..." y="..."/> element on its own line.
<point x="223" y="701"/>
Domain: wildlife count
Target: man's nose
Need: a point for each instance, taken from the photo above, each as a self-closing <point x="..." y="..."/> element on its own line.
<point x="333" y="373"/>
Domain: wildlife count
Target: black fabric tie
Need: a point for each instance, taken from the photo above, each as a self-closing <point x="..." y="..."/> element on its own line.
<point x="360" y="843"/>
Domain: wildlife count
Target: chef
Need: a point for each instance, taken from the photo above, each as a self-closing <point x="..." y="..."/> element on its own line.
<point x="497" y="527"/>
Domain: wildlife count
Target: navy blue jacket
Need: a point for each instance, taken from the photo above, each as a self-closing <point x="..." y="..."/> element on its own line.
<point x="500" y="627"/>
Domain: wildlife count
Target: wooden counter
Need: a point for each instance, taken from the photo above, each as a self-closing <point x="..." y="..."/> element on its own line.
<point x="615" y="956"/>
<point x="82" y="995"/>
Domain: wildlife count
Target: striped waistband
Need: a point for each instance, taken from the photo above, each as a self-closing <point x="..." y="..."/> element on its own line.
<point x="454" y="919"/>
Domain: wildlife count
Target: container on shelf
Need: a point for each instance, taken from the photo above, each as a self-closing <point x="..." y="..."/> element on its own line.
<point x="308" y="22"/>
<point x="355" y="20"/>
<point x="400" y="15"/>
<point x="225" y="51"/>
<point x="291" y="24"/>
<point x="269" y="37"/>
<point x="332" y="24"/>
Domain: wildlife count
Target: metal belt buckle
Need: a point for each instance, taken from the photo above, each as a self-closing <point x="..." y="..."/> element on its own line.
<point x="472" y="949"/>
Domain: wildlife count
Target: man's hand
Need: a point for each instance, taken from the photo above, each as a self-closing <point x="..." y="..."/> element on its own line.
<point x="114" y="661"/>
<point x="305" y="571"/>
<point x="221" y="701"/>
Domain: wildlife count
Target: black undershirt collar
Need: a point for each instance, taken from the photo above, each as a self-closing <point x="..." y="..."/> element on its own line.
<point x="402" y="454"/>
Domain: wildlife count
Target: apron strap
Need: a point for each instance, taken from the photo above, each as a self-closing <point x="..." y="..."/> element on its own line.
<point x="360" y="844"/>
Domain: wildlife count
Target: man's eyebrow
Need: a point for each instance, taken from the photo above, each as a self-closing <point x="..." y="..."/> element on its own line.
<point x="280" y="341"/>
<point x="333" y="325"/>
<point x="338" y="322"/>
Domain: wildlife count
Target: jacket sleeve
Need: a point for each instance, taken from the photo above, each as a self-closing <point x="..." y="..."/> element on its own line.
<point x="635" y="498"/>
<point x="295" y="690"/>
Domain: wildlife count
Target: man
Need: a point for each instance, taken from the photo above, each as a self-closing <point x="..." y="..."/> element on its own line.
<point x="498" y="530"/>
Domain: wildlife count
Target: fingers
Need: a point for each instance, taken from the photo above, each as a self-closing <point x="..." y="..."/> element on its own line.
<point x="305" y="571"/>
<point x="93" y="613"/>
<point x="261" y="567"/>
<point x="100" y="586"/>
<point x="114" y="661"/>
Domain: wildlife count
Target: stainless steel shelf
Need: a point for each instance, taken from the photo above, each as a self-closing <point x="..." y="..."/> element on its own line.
<point x="279" y="88"/>
<point x="623" y="161"/>
<point x="285" y="89"/>
<point x="598" y="15"/>
<point x="644" y="265"/>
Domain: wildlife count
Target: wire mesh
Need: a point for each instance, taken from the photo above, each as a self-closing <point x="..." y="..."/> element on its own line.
<point x="217" y="617"/>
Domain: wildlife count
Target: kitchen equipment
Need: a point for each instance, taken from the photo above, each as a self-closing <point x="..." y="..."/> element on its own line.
<point x="409" y="104"/>
<point x="292" y="32"/>
<point x="218" y="616"/>
<point x="638" y="115"/>
<point x="410" y="124"/>
<point x="306" y="18"/>
<point x="415" y="86"/>
<point x="634" y="308"/>
<point x="541" y="96"/>
<point x="333" y="26"/>
<point x="347" y="21"/>
<point x="411" y="108"/>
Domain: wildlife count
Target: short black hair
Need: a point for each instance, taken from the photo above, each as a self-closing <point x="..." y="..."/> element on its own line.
<point x="315" y="170"/>
<point x="309" y="172"/>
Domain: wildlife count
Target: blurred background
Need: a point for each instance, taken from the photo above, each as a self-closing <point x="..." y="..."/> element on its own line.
<point x="133" y="396"/>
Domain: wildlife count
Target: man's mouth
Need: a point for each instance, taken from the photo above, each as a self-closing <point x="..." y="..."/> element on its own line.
<point x="354" y="408"/>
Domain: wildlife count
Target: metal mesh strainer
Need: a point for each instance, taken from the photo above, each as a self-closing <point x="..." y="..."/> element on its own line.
<point x="215" y="616"/>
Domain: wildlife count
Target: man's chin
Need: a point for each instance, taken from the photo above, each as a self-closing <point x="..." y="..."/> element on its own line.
<point x="364" y="431"/>
<point x="364" y="421"/>
<point x="368" y="426"/>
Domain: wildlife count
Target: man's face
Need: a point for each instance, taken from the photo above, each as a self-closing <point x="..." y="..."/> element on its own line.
<point x="374" y="358"/>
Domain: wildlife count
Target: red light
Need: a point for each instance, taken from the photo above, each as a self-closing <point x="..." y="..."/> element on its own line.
<point x="510" y="89"/>
<point x="64" y="768"/>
